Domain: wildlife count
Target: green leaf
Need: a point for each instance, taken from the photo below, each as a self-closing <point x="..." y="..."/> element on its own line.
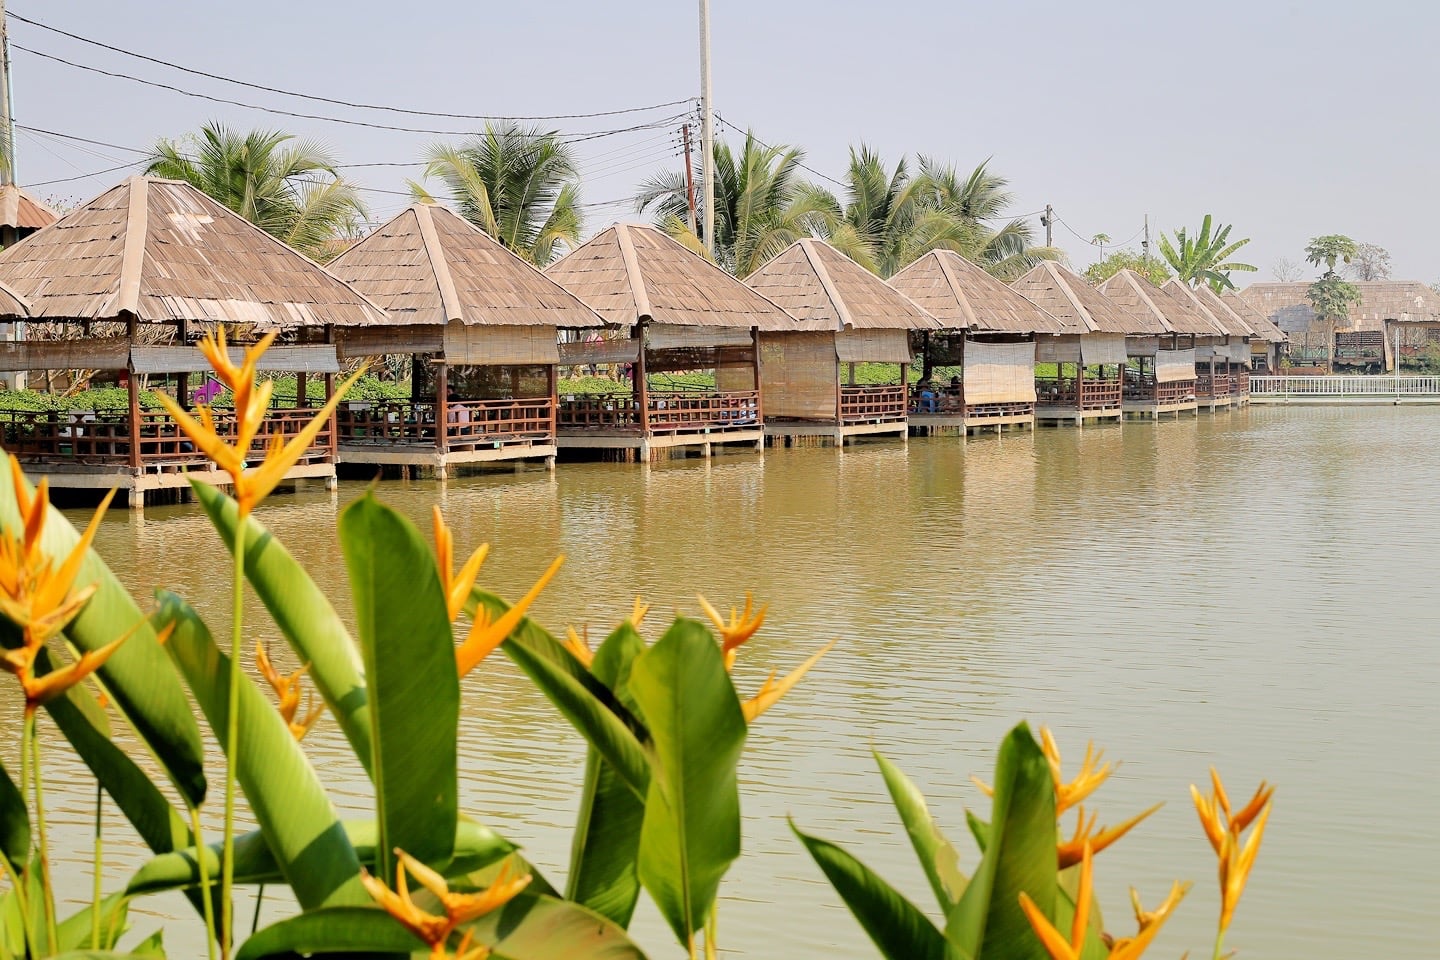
<point x="897" y="926"/>
<point x="533" y="927"/>
<point x="938" y="858"/>
<point x="281" y="787"/>
<point x="14" y="823"/>
<point x="1094" y="948"/>
<point x="988" y="923"/>
<point x="77" y="931"/>
<point x="979" y="829"/>
<point x="594" y="716"/>
<point x="304" y="615"/>
<point x="691" y="831"/>
<point x="606" y="844"/>
<point x="410" y="671"/>
<point x="140" y="681"/>
<point x="348" y="930"/>
<point x="475" y="847"/>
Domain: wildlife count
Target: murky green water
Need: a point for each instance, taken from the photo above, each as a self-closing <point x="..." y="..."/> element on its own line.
<point x="1255" y="590"/>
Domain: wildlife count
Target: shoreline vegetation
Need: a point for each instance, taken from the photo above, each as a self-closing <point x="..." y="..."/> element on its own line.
<point x="663" y="720"/>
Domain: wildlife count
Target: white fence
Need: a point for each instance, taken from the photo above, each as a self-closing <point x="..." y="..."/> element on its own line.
<point x="1379" y="389"/>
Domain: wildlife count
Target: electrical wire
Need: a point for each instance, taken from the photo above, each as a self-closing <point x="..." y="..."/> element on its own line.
<point x="333" y="101"/>
<point x="84" y="176"/>
<point x="1107" y="243"/>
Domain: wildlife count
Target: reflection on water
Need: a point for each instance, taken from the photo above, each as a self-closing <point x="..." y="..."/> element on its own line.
<point x="1253" y="590"/>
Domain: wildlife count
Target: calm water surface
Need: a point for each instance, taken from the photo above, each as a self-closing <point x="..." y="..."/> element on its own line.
<point x="1254" y="590"/>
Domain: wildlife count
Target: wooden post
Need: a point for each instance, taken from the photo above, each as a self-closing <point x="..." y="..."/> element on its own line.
<point x="638" y="387"/>
<point x="1080" y="384"/>
<point x="134" y="391"/>
<point x="551" y="381"/>
<point x="442" y="405"/>
<point x="755" y="365"/>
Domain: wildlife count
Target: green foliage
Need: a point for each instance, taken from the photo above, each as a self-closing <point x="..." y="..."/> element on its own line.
<point x="1205" y="257"/>
<point x="1330" y="250"/>
<point x="1151" y="268"/>
<point x="100" y="399"/>
<point x="1332" y="296"/>
<point x="289" y="188"/>
<point x="520" y="185"/>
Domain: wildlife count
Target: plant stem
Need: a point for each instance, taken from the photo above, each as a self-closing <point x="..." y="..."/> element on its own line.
<point x="712" y="930"/>
<point x="99" y="861"/>
<point x="46" y="883"/>
<point x="20" y="882"/>
<point x="232" y="744"/>
<point x="259" y="899"/>
<point x="1219" y="943"/>
<point x="209" y="907"/>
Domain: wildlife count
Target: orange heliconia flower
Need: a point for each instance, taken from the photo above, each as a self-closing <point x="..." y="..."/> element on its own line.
<point x="41" y="598"/>
<point x="289" y="690"/>
<point x="1086" y="782"/>
<point x="460" y="908"/>
<point x="771" y="691"/>
<point x="1149" y="923"/>
<point x="1224" y="830"/>
<point x="579" y="646"/>
<point x="638" y="611"/>
<point x="252" y="401"/>
<point x="1086" y="837"/>
<point x="457" y="586"/>
<point x="738" y="629"/>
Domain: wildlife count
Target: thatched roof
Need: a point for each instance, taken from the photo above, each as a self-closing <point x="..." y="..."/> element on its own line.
<point x="1254" y="319"/>
<point x="23" y="210"/>
<point x="962" y="296"/>
<point x="1222" y="322"/>
<point x="1067" y="296"/>
<point x="825" y="290"/>
<point x="1381" y="302"/>
<point x="1152" y="306"/>
<point x="429" y="266"/>
<point x="1234" y="324"/>
<point x="632" y="272"/>
<point x="162" y="251"/>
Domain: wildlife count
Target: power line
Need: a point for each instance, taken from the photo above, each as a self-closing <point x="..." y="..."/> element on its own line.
<point x="1107" y="243"/>
<point x="576" y="138"/>
<point x="84" y="176"/>
<point x="333" y="101"/>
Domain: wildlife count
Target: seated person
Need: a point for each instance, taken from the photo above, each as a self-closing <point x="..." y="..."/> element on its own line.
<point x="928" y="401"/>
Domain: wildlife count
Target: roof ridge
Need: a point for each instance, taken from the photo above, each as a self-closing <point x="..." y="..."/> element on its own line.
<point x="1134" y="280"/>
<point x="827" y="283"/>
<point x="954" y="284"/>
<point x="633" y="274"/>
<point x="132" y="259"/>
<point x="439" y="264"/>
<point x="1053" y="269"/>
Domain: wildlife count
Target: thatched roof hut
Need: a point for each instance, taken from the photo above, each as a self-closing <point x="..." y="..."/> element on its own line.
<point x="825" y="290"/>
<point x="21" y="214"/>
<point x="160" y="251"/>
<point x="634" y="272"/>
<point x="1068" y="298"/>
<point x="1154" y="311"/>
<point x="1405" y="302"/>
<point x="1254" y="319"/>
<point x="962" y="296"/>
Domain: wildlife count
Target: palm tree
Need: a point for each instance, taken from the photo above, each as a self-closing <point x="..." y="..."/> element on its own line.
<point x="1204" y="258"/>
<point x="519" y="185"/>
<point x="287" y="187"/>
<point x="762" y="205"/>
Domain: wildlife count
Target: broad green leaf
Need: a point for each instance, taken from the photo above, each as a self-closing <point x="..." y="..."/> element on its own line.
<point x="1064" y="919"/>
<point x="12" y="925"/>
<point x="14" y="823"/>
<point x="140" y="680"/>
<point x="533" y="927"/>
<point x="281" y="787"/>
<point x="475" y="847"/>
<point x="691" y="831"/>
<point x="979" y="829"/>
<point x="607" y="830"/>
<point x="938" y="858"/>
<point x="77" y="931"/>
<point x="410" y="671"/>
<point x="897" y="926"/>
<point x="593" y="716"/>
<point x="988" y="923"/>
<point x="345" y="930"/>
<point x="304" y="615"/>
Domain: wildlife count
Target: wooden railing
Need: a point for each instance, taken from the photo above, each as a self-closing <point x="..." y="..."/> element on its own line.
<point x="469" y="423"/>
<point x="883" y="404"/>
<point x="666" y="411"/>
<point x="1339" y="386"/>
<point x="104" y="438"/>
<point x="996" y="411"/>
<point x="1145" y="389"/>
<point x="1088" y="394"/>
<point x="1210" y="388"/>
<point x="1240" y="382"/>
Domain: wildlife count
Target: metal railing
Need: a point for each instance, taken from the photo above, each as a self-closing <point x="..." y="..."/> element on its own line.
<point x="469" y="423"/>
<point x="1343" y="386"/>
<point x="103" y="438"/>
<point x="884" y="404"/>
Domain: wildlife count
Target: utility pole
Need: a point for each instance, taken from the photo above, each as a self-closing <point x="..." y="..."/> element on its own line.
<point x="7" y="122"/>
<point x="689" y="174"/>
<point x="1048" y="220"/>
<point x="707" y="129"/>
<point x="1145" y="244"/>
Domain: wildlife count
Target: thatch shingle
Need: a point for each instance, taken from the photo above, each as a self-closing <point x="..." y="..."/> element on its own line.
<point x="163" y="251"/>
<point x="962" y="296"/>
<point x="429" y="266"/>
<point x="1222" y="324"/>
<point x="825" y="290"/>
<point x="1071" y="300"/>
<point x="630" y="272"/>
<point x="1136" y="293"/>
<point x="1257" y="321"/>
<point x="23" y="210"/>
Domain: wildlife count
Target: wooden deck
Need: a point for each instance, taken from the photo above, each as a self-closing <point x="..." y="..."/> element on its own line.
<point x="669" y="420"/>
<point x="1062" y="400"/>
<point x="402" y="433"/>
<point x="1144" y="398"/>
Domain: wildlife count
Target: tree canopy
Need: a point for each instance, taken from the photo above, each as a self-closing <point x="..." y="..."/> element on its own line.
<point x="1151" y="268"/>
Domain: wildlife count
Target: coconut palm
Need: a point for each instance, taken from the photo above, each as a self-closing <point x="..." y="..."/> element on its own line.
<point x="1204" y="258"/>
<point x="288" y="187"/>
<point x="762" y="204"/>
<point x="520" y="185"/>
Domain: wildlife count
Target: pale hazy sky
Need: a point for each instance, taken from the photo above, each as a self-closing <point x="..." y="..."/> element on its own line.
<point x="1288" y="119"/>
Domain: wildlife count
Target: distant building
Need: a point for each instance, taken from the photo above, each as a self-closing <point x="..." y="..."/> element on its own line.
<point x="1367" y="337"/>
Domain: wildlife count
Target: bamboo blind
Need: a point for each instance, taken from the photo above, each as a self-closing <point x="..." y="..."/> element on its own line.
<point x="507" y="344"/>
<point x="665" y="336"/>
<point x="1064" y="348"/>
<point x="874" y="346"/>
<point x="999" y="372"/>
<point x="798" y="375"/>
<point x="1102" y="348"/>
<point x="378" y="341"/>
<point x="1172" y="366"/>
<point x="1142" y="346"/>
<point x="107" y="354"/>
